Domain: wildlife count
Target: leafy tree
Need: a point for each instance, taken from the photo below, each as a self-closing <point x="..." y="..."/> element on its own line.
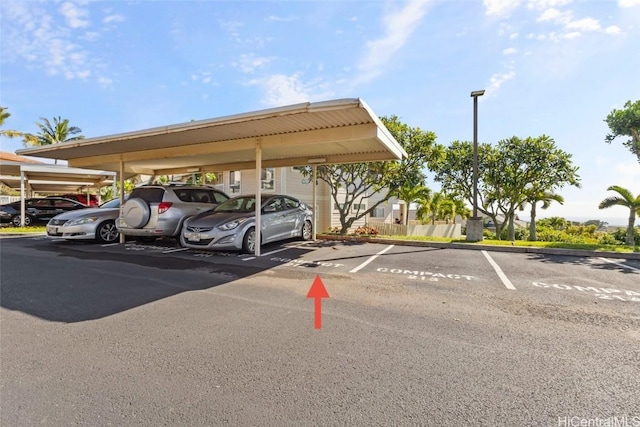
<point x="509" y="173"/>
<point x="626" y="122"/>
<point x="455" y="172"/>
<point x="49" y="133"/>
<point x="351" y="184"/>
<point x="625" y="199"/>
<point x="4" y="115"/>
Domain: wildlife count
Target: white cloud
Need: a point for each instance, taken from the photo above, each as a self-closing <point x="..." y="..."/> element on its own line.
<point x="500" y="7"/>
<point x="546" y="4"/>
<point x="571" y="35"/>
<point x="274" y="18"/>
<point x="514" y="36"/>
<point x="585" y="24"/>
<point x="398" y="28"/>
<point x="249" y="63"/>
<point x="43" y="34"/>
<point x="498" y="79"/>
<point x="554" y="15"/>
<point x="113" y="18"/>
<point x="281" y="89"/>
<point x="510" y="51"/>
<point x="74" y="15"/>
<point x="628" y="3"/>
<point x="613" y="29"/>
<point x="104" y="81"/>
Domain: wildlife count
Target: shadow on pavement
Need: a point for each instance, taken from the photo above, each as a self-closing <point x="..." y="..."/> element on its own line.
<point x="68" y="283"/>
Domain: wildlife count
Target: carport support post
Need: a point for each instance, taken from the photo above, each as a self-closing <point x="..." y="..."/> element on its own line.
<point x="314" y="170"/>
<point x="258" y="204"/>
<point x="22" y="207"/>
<point x="121" y="179"/>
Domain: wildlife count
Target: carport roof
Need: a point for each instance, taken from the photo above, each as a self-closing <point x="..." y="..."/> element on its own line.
<point x="52" y="178"/>
<point x="337" y="131"/>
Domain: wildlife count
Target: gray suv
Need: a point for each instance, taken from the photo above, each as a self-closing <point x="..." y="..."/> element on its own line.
<point x="160" y="210"/>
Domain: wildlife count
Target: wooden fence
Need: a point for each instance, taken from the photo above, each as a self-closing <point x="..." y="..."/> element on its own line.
<point x="453" y="231"/>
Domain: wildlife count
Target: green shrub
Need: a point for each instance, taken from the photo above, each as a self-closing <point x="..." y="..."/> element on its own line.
<point x="621" y="235"/>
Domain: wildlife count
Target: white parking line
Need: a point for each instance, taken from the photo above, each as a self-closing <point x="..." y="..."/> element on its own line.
<point x="175" y="250"/>
<point x="501" y="275"/>
<point x="109" y="244"/>
<point x="610" y="261"/>
<point x="276" y="251"/>
<point x="364" y="264"/>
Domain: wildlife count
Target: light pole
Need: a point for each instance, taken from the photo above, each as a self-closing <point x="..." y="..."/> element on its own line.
<point x="474" y="226"/>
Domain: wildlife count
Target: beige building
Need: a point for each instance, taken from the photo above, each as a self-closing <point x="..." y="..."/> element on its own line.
<point x="290" y="181"/>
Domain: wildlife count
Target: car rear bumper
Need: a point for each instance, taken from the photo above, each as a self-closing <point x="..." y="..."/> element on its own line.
<point x="161" y="229"/>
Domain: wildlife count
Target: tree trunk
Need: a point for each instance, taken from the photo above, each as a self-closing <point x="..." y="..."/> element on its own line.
<point x="630" y="227"/>
<point x="498" y="226"/>
<point x="532" y="225"/>
<point x="512" y="231"/>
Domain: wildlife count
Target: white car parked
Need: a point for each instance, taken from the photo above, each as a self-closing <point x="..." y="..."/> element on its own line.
<point x="87" y="224"/>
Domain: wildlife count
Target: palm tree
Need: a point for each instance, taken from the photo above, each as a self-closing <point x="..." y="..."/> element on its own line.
<point x="546" y="197"/>
<point x="4" y="115"/>
<point x="435" y="205"/>
<point x="625" y="199"/>
<point x="49" y="134"/>
<point x="411" y="194"/>
<point x="450" y="207"/>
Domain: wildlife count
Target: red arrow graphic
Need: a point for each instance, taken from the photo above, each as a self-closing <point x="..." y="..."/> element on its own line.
<point x="318" y="292"/>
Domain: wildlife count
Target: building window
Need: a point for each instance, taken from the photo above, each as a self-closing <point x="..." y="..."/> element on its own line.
<point x="377" y="213"/>
<point x="234" y="182"/>
<point x="354" y="207"/>
<point x="268" y="179"/>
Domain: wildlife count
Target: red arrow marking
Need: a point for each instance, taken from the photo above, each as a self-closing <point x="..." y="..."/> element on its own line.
<point x="318" y="292"/>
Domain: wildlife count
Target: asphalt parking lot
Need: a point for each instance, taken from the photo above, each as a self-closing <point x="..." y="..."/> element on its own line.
<point x="140" y="334"/>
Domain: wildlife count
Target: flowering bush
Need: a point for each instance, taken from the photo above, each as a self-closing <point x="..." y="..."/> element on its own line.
<point x="365" y="230"/>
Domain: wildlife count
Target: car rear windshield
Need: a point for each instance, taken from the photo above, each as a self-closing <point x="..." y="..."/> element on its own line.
<point x="149" y="195"/>
<point x="197" y="195"/>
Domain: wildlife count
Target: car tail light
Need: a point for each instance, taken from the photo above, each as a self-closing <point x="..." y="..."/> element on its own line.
<point x="163" y="207"/>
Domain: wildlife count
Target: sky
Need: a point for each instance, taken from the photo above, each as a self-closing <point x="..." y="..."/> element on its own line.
<point x="552" y="67"/>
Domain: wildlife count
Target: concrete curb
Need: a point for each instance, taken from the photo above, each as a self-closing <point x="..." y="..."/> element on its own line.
<point x="481" y="247"/>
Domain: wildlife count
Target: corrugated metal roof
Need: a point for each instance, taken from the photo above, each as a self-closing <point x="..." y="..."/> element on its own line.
<point x="339" y="131"/>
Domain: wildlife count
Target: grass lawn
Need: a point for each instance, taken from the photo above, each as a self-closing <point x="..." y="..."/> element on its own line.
<point x="30" y="229"/>
<point x="561" y="245"/>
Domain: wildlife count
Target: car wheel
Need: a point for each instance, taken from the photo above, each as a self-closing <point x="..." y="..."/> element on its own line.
<point x="307" y="230"/>
<point x="136" y="212"/>
<point x="107" y="232"/>
<point x="249" y="241"/>
<point x="28" y="220"/>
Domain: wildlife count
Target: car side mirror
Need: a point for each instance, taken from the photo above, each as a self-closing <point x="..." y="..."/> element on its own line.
<point x="268" y="209"/>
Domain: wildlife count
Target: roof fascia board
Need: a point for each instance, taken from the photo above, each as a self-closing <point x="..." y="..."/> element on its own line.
<point x="64" y="170"/>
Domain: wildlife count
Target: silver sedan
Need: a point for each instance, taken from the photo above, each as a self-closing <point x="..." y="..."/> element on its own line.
<point x="231" y="225"/>
<point x="87" y="224"/>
